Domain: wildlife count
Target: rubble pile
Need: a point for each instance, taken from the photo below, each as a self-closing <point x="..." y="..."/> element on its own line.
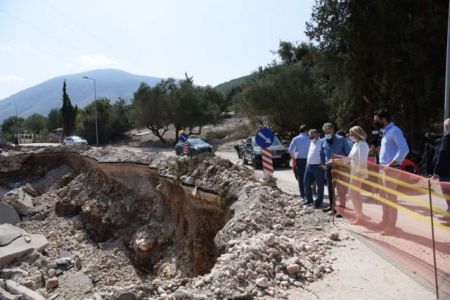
<point x="127" y="225"/>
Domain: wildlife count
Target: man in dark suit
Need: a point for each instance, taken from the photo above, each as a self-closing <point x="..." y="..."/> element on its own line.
<point x="442" y="168"/>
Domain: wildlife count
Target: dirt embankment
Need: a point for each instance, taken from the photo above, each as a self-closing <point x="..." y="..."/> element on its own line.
<point x="146" y="226"/>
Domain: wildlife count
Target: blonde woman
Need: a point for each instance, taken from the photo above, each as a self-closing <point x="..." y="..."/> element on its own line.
<point x="358" y="159"/>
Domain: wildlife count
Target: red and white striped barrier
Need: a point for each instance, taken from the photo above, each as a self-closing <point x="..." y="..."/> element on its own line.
<point x="267" y="162"/>
<point x="186" y="147"/>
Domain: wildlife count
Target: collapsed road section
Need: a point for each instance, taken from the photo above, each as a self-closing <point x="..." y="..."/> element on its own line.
<point x="108" y="224"/>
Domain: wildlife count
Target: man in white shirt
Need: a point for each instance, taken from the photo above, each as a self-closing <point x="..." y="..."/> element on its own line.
<point x="315" y="169"/>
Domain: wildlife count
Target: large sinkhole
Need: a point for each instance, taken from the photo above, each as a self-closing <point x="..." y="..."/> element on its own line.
<point x="156" y="217"/>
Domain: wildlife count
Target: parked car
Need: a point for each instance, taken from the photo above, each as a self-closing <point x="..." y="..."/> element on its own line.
<point x="74" y="140"/>
<point x="196" y="146"/>
<point x="251" y="152"/>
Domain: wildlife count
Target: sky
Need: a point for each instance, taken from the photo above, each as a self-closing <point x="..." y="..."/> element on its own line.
<point x="212" y="40"/>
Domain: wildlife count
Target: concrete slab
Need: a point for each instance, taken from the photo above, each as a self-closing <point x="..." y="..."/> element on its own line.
<point x="21" y="246"/>
<point x="15" y="288"/>
<point x="8" y="215"/>
<point x="9" y="233"/>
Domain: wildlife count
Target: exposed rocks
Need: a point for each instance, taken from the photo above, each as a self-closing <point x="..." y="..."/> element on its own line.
<point x="335" y="236"/>
<point x="262" y="282"/>
<point x="293" y="269"/>
<point x="152" y="228"/>
<point x="15" y="243"/>
<point x="20" y="200"/>
<point x="22" y="291"/>
<point x="8" y="215"/>
<point x="52" y="283"/>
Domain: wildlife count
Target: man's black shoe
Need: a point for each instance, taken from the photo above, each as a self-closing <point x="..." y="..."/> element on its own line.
<point x="308" y="203"/>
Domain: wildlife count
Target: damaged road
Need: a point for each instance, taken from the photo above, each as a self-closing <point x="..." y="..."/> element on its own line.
<point x="128" y="225"/>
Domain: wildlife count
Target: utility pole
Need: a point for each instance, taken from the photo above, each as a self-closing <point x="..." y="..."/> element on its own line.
<point x="95" y="105"/>
<point x="447" y="70"/>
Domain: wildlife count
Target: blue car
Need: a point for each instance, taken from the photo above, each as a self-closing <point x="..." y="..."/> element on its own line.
<point x="196" y="146"/>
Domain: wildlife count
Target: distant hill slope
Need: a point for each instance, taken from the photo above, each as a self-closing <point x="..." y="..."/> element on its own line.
<point x="45" y="96"/>
<point x="227" y="86"/>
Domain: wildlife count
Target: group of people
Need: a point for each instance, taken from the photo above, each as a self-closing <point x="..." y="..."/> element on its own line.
<point x="313" y="157"/>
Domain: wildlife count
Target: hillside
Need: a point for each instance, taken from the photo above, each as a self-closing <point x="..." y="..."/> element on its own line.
<point x="227" y="86"/>
<point x="45" y="96"/>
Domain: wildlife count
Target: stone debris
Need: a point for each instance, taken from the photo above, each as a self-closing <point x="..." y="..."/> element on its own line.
<point x="29" y="189"/>
<point x="20" y="200"/>
<point x="293" y="269"/>
<point x="15" y="243"/>
<point x="263" y="282"/>
<point x="17" y="289"/>
<point x="8" y="215"/>
<point x="52" y="283"/>
<point x="5" y="295"/>
<point x="154" y="227"/>
<point x="335" y="236"/>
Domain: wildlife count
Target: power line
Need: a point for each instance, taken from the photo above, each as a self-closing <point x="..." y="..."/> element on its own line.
<point x="77" y="25"/>
<point x="83" y="29"/>
<point x="41" y="30"/>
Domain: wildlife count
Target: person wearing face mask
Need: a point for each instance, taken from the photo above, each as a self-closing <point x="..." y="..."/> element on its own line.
<point x="333" y="144"/>
<point x="314" y="170"/>
<point x="393" y="151"/>
<point x="358" y="160"/>
<point x="442" y="167"/>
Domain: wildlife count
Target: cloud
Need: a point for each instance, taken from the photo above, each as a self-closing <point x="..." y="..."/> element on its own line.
<point x="92" y="61"/>
<point x="10" y="78"/>
<point x="6" y="48"/>
<point x="15" y="46"/>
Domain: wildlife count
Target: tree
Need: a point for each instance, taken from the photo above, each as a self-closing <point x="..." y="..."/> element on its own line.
<point x="68" y="113"/>
<point x="87" y="130"/>
<point x="12" y="125"/>
<point x="382" y="54"/>
<point x="151" y="107"/>
<point x="54" y="119"/>
<point x="191" y="107"/>
<point x="284" y="96"/>
<point x="120" y="120"/>
<point x="180" y="104"/>
<point x="36" y="123"/>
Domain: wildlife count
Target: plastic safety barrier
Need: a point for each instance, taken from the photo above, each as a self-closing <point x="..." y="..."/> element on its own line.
<point x="407" y="215"/>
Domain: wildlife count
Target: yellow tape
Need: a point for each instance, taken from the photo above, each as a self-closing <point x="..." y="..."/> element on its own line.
<point x="393" y="179"/>
<point x="394" y="192"/>
<point x="395" y="205"/>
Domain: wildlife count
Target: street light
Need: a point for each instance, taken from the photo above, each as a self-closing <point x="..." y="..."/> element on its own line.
<point x="95" y="105"/>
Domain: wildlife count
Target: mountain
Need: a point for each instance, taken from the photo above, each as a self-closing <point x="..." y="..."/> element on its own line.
<point x="45" y="96"/>
<point x="225" y="87"/>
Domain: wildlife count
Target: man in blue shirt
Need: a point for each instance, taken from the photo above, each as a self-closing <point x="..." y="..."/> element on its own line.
<point x="393" y="151"/>
<point x="299" y="151"/>
<point x="333" y="145"/>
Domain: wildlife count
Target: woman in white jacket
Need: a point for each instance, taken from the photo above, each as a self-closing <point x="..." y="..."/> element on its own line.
<point x="358" y="159"/>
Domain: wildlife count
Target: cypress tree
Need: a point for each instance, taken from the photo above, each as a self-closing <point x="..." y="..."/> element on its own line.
<point x="68" y="112"/>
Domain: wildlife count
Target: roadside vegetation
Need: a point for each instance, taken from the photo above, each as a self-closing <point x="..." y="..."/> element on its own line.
<point x="362" y="55"/>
